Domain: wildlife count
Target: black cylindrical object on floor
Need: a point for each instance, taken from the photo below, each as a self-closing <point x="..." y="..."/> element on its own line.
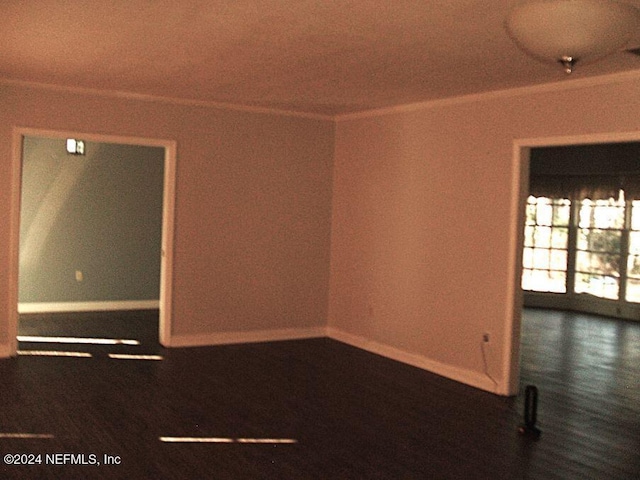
<point x="530" y="413"/>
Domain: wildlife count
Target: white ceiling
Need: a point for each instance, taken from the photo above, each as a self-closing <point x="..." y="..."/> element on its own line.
<point x="315" y="56"/>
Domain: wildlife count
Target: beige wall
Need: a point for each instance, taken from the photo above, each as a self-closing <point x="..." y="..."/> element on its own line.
<point x="423" y="240"/>
<point x="253" y="205"/>
<point x="413" y="254"/>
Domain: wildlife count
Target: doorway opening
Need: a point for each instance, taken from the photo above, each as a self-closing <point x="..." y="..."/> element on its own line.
<point x="74" y="217"/>
<point x="522" y="168"/>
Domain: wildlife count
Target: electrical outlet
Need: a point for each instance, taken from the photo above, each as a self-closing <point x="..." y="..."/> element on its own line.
<point x="486" y="337"/>
<point x="79" y="276"/>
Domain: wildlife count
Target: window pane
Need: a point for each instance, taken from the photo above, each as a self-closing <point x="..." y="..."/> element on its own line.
<point x="633" y="266"/>
<point x="633" y="290"/>
<point x="542" y="237"/>
<point x="599" y="240"/>
<point x="600" y="263"/>
<point x="582" y="283"/>
<point x="601" y="214"/>
<point x="557" y="282"/>
<point x="527" y="258"/>
<point x="544" y="213"/>
<point x="632" y="293"/>
<point x="560" y="238"/>
<point x="528" y="235"/>
<point x="531" y="212"/>
<point x="526" y="279"/>
<point x="584" y="217"/>
<point x="541" y="258"/>
<point x="583" y="239"/>
<point x="561" y="213"/>
<point x="635" y="215"/>
<point x="609" y="216"/>
<point x="597" y="285"/>
<point x="544" y="281"/>
<point x="634" y="243"/>
<point x="558" y="260"/>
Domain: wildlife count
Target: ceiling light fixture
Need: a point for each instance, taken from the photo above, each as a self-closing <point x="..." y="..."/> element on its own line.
<point x="571" y="31"/>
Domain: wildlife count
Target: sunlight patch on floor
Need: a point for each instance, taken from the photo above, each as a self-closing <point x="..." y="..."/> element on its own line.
<point x="266" y="440"/>
<point x="126" y="356"/>
<point x="81" y="340"/>
<point x="26" y="435"/>
<point x="227" y="440"/>
<point x="53" y="353"/>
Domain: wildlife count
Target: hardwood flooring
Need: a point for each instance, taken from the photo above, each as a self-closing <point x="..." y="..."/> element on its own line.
<point x="317" y="409"/>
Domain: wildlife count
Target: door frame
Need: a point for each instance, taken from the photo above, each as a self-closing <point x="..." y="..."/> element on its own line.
<point x="521" y="163"/>
<point x="168" y="217"/>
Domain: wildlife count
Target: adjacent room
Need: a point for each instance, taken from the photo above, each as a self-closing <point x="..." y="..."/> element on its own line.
<point x="90" y="226"/>
<point x="321" y="270"/>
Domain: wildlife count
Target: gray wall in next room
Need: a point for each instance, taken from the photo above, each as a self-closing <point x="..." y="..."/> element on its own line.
<point x="99" y="214"/>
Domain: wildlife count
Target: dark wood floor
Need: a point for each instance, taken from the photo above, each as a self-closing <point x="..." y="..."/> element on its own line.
<point x="353" y="415"/>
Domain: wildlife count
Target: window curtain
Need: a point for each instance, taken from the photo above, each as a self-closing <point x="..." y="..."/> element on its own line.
<point x="595" y="172"/>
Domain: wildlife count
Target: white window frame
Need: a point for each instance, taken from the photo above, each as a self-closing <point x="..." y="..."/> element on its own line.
<point x="585" y="302"/>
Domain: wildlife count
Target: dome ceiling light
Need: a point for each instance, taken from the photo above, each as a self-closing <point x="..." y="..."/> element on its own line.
<point x="571" y="31"/>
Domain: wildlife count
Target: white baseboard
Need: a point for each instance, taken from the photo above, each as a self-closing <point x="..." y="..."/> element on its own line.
<point x="468" y="377"/>
<point x="57" y="307"/>
<point x="471" y="378"/>
<point x="225" y="338"/>
<point x="474" y="379"/>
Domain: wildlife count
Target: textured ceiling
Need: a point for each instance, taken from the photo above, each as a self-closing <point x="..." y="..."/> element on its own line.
<point x="315" y="56"/>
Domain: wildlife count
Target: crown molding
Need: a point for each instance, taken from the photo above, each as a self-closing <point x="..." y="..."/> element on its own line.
<point x="167" y="100"/>
<point x="568" y="84"/>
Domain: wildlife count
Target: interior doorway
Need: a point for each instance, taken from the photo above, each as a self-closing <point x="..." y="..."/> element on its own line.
<point x="65" y="189"/>
<point x="521" y="161"/>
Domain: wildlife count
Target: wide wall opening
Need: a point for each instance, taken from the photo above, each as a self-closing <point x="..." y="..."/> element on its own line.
<point x="582" y="229"/>
<point x="94" y="225"/>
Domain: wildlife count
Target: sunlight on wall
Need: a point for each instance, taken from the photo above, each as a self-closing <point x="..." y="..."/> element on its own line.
<point x="50" y="207"/>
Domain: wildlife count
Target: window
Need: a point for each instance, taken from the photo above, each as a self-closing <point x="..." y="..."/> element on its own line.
<point x="598" y="251"/>
<point x="633" y="259"/>
<point x="546" y="244"/>
<point x="583" y="247"/>
<point x="582" y="231"/>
